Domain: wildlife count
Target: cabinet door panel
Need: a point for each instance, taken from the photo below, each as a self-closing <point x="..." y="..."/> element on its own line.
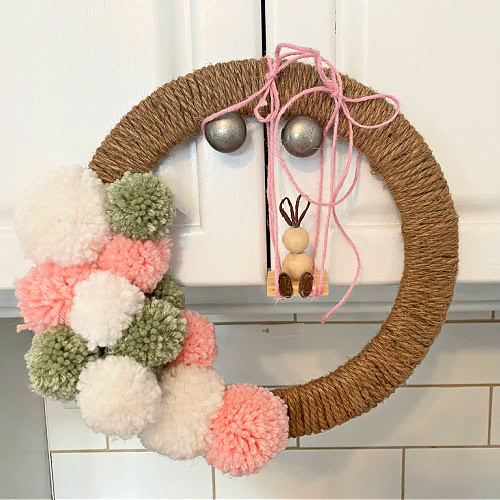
<point x="440" y="58"/>
<point x="74" y="68"/>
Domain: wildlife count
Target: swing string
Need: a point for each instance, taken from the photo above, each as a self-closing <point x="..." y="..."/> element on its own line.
<point x="269" y="99"/>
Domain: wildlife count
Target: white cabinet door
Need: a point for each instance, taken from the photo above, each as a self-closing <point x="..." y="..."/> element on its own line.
<point x="441" y="59"/>
<point x="72" y="69"/>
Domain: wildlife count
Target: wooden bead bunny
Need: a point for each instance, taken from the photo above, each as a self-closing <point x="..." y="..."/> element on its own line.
<point x="297" y="265"/>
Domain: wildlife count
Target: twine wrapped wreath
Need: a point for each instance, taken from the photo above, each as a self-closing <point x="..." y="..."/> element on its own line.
<point x="397" y="153"/>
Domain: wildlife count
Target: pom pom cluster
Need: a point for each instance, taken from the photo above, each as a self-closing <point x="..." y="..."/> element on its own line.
<point x="112" y="332"/>
<point x="155" y="336"/>
<point x="55" y="361"/>
<point x="62" y="218"/>
<point x="140" y="206"/>
<point x="168" y="289"/>
<point x="249" y="430"/>
<point x="190" y="397"/>
<point x="118" y="396"/>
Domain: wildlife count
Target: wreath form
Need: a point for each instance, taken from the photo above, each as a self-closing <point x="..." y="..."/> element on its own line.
<point x="108" y="357"/>
<point x="397" y="152"/>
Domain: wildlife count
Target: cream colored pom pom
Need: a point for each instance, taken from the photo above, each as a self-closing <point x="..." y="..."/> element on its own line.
<point x="296" y="264"/>
<point x="104" y="306"/>
<point x="295" y="239"/>
<point x="118" y="396"/>
<point x="190" y="398"/>
<point x="62" y="218"/>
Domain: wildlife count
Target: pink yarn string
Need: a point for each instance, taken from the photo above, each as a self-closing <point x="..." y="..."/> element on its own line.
<point x="269" y="97"/>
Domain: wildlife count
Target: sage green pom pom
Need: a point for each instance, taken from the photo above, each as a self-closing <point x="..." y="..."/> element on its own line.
<point x="140" y="206"/>
<point x="168" y="289"/>
<point x="155" y="336"/>
<point x="55" y="361"/>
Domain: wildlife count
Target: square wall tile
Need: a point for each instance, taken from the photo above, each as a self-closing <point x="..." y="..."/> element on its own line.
<point x="468" y="315"/>
<point x="286" y="354"/>
<point x="341" y="316"/>
<point x="320" y="474"/>
<point x="463" y="353"/>
<point x="252" y="318"/>
<point x="125" y="444"/>
<point x="431" y="416"/>
<point x="452" y="473"/>
<point x="129" y="475"/>
<point x="67" y="430"/>
<point x="495" y="417"/>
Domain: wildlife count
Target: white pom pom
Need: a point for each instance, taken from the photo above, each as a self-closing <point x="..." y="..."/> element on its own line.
<point x="190" y="397"/>
<point x="118" y="396"/>
<point x="103" y="307"/>
<point x="62" y="218"/>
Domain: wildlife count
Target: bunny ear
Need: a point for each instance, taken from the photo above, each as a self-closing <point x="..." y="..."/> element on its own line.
<point x="303" y="214"/>
<point x="290" y="220"/>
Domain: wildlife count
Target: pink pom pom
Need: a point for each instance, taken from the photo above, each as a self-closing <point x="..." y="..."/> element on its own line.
<point x="249" y="430"/>
<point x="46" y="294"/>
<point x="199" y="346"/>
<point x="143" y="263"/>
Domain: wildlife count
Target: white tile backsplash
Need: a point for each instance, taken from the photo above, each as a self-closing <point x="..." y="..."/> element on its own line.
<point x="68" y="431"/>
<point x="463" y="353"/>
<point x="452" y="473"/>
<point x="431" y="416"/>
<point x="495" y="417"/>
<point x="129" y="475"/>
<point x="286" y="354"/>
<point x="320" y="474"/>
<point x="366" y="461"/>
<point x="125" y="444"/>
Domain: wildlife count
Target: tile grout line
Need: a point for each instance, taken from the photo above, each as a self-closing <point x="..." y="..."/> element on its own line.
<point x="403" y="475"/>
<point x="49" y="453"/>
<point x="492" y="315"/>
<point x="490" y="412"/>
<point x="399" y="447"/>
<point x="107" y="443"/>
<point x="342" y="322"/>
<point x="311" y="448"/>
<point x="408" y="386"/>
<point x="417" y="386"/>
<point x="298" y="441"/>
<point x="213" y="484"/>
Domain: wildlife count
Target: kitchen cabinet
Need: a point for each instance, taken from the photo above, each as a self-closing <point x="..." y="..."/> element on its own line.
<point x="440" y="59"/>
<point x="77" y="67"/>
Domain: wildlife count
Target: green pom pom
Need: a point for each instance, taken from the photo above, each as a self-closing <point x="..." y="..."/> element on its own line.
<point x="168" y="289"/>
<point x="155" y="336"/>
<point x="140" y="206"/>
<point x="55" y="361"/>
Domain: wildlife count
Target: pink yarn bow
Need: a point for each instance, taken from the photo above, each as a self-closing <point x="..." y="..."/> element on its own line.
<point x="269" y="97"/>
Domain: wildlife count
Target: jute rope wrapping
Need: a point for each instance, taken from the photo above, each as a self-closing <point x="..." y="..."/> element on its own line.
<point x="397" y="153"/>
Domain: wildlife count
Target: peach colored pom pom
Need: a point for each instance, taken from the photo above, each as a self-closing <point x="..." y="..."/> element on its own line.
<point x="46" y="294"/>
<point x="143" y="263"/>
<point x="199" y="346"/>
<point x="249" y="430"/>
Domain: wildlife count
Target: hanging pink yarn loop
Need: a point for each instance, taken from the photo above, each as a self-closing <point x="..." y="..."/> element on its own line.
<point x="269" y="98"/>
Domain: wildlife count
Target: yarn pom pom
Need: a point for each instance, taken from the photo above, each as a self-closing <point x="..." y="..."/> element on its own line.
<point x="249" y="430"/>
<point x="155" y="336"/>
<point x="190" y="397"/>
<point x="168" y="289"/>
<point x="143" y="263"/>
<point x="55" y="361"/>
<point x="46" y="294"/>
<point x="62" y="218"/>
<point x="118" y="396"/>
<point x="199" y="346"/>
<point x="103" y="307"/>
<point x="140" y="206"/>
